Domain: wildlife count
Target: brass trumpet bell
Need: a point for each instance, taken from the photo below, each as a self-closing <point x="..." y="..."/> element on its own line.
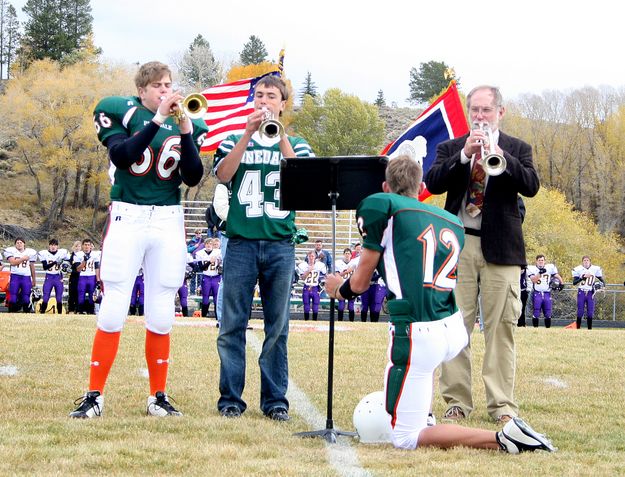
<point x="194" y="106"/>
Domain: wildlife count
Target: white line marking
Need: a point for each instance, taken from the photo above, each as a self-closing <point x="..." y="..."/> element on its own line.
<point x="556" y="383"/>
<point x="8" y="370"/>
<point x="342" y="456"/>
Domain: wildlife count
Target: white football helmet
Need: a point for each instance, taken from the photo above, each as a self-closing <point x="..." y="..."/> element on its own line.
<point x="371" y="420"/>
<point x="35" y="294"/>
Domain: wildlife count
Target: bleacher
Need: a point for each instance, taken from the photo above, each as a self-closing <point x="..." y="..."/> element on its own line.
<point x="318" y="224"/>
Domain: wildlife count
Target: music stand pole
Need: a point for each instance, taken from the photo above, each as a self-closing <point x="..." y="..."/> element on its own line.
<point x="330" y="433"/>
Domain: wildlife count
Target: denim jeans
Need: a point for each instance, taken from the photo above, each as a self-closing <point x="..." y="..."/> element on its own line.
<point x="272" y="263"/>
<point x="220" y="294"/>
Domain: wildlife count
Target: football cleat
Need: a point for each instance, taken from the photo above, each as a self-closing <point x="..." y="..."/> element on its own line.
<point x="160" y="406"/>
<point x="517" y="436"/>
<point x="90" y="405"/>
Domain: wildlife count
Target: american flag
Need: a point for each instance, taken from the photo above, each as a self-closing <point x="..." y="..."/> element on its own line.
<point x="229" y="105"/>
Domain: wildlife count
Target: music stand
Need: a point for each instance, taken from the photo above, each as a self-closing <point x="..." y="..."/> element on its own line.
<point x="331" y="183"/>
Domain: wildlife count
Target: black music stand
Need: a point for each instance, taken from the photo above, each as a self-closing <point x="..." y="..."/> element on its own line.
<point x="330" y="183"/>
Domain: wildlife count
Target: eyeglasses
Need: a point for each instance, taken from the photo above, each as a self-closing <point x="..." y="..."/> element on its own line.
<point x="487" y="110"/>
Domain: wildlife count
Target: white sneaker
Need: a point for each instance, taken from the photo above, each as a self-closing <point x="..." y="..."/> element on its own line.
<point x="517" y="436"/>
<point x="160" y="406"/>
<point x="90" y="405"/>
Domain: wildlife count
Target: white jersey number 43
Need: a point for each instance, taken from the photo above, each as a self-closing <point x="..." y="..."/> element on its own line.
<point x="251" y="195"/>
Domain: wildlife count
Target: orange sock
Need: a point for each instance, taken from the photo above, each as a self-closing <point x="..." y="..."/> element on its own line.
<point x="157" y="358"/>
<point x="102" y="356"/>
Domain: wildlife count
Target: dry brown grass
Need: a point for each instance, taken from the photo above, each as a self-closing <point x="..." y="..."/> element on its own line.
<point x="52" y="355"/>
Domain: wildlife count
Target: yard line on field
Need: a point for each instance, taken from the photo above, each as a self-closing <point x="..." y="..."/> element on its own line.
<point x="556" y="382"/>
<point x="8" y="370"/>
<point x="342" y="456"/>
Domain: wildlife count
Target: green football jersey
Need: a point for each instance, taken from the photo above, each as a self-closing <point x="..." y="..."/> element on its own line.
<point x="420" y="246"/>
<point x="255" y="203"/>
<point x="153" y="179"/>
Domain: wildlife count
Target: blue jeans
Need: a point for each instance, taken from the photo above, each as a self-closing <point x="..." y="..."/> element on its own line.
<point x="220" y="294"/>
<point x="272" y="263"/>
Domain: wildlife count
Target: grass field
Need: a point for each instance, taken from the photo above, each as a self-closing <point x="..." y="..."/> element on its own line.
<point x="570" y="385"/>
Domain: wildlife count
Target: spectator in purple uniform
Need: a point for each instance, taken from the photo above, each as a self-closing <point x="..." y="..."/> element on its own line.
<point x="541" y="275"/>
<point x="312" y="272"/>
<point x="524" y="296"/>
<point x="589" y="279"/>
<point x="344" y="268"/>
<point x="371" y="300"/>
<point x="87" y="263"/>
<point x="210" y="259"/>
<point x="137" y="299"/>
<point x="23" y="279"/>
<point x="72" y="282"/>
<point x="51" y="261"/>
<point x="183" y="291"/>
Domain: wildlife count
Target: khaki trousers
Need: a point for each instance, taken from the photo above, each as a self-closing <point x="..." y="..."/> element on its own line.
<point x="499" y="292"/>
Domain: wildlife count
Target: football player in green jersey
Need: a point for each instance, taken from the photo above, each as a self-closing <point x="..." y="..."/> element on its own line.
<point x="259" y="247"/>
<point x="415" y="247"/>
<point x="151" y="154"/>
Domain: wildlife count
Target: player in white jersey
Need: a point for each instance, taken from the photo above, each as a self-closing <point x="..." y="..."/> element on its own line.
<point x="312" y="272"/>
<point x="51" y="260"/>
<point x="541" y="276"/>
<point x="87" y="263"/>
<point x="588" y="278"/>
<point x="210" y="262"/>
<point x="342" y="267"/>
<point x="23" y="278"/>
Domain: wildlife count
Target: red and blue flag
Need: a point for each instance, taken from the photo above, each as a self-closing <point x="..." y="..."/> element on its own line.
<point x="444" y="119"/>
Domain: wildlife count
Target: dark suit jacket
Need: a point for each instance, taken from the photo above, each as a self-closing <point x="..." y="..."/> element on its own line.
<point x="501" y="236"/>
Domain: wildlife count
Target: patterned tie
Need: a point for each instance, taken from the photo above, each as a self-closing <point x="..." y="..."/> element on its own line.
<point x="475" y="199"/>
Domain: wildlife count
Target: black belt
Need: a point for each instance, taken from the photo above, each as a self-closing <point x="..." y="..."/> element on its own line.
<point x="475" y="232"/>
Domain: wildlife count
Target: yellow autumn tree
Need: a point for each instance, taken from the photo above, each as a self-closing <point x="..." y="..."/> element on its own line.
<point x="553" y="228"/>
<point x="54" y="141"/>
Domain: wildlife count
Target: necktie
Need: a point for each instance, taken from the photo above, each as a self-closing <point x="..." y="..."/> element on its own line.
<point x="477" y="184"/>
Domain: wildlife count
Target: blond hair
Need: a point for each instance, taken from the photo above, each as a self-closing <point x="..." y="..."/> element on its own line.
<point x="404" y="175"/>
<point x="150" y="72"/>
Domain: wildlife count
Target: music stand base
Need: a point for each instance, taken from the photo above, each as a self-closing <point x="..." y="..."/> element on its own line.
<point x="329" y="434"/>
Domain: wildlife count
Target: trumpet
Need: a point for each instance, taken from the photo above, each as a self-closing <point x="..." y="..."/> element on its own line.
<point x="193" y="106"/>
<point x="493" y="163"/>
<point x="270" y="127"/>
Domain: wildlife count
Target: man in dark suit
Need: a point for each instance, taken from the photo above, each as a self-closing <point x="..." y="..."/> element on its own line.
<point x="494" y="252"/>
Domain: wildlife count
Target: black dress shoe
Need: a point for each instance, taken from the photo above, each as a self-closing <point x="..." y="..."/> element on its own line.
<point x="278" y="414"/>
<point x="230" y="412"/>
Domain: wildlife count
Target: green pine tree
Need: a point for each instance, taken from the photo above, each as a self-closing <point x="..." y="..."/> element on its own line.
<point x="254" y="52"/>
